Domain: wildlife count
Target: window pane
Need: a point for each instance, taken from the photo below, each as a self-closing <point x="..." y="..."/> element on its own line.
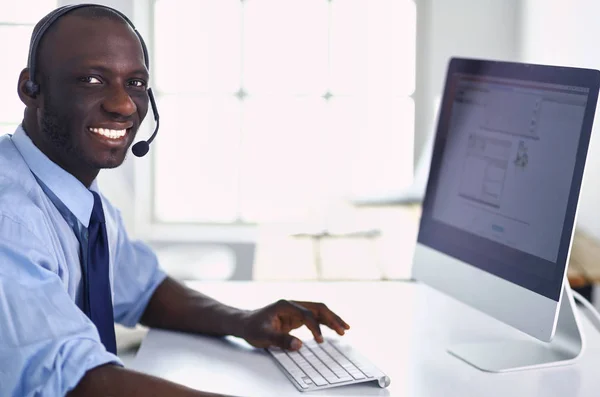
<point x="347" y="119"/>
<point x="197" y="45"/>
<point x="300" y="155"/>
<point x="14" y="41"/>
<point x="384" y="161"/>
<point x="373" y="46"/>
<point x="283" y="157"/>
<point x="197" y="158"/>
<point x="26" y="11"/>
<point x="284" y="153"/>
<point x="285" y="46"/>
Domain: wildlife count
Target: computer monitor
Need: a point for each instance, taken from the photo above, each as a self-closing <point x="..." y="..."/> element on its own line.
<point x="500" y="206"/>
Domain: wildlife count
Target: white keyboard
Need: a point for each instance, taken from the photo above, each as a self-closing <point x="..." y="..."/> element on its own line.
<point x="322" y="365"/>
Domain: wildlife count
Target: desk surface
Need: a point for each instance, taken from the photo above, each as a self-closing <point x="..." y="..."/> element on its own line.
<point x="403" y="327"/>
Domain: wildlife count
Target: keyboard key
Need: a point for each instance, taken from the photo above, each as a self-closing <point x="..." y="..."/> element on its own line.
<point x="298" y="377"/>
<point x="307" y="368"/>
<point x="364" y="367"/>
<point x="325" y="365"/>
<point x="344" y="362"/>
<point x="330" y="362"/>
<point x="320" y="381"/>
<point x="287" y="363"/>
<point x="356" y="374"/>
<point x="301" y="383"/>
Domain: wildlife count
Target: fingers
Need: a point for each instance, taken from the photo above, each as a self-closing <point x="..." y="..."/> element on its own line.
<point x="285" y="341"/>
<point x="338" y="320"/>
<point x="309" y="320"/>
<point x="334" y="322"/>
<point x="326" y="316"/>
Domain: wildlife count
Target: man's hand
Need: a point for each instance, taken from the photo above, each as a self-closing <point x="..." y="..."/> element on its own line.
<point x="270" y="326"/>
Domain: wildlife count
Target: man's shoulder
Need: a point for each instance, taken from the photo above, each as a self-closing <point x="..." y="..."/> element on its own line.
<point x="17" y="185"/>
<point x="18" y="206"/>
<point x="12" y="165"/>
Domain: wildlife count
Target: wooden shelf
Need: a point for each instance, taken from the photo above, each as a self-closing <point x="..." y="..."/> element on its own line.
<point x="584" y="264"/>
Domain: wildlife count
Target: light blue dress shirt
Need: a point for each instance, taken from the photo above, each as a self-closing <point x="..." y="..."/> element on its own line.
<point x="46" y="341"/>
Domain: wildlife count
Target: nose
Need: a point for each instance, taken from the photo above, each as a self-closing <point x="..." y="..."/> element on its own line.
<point x="119" y="102"/>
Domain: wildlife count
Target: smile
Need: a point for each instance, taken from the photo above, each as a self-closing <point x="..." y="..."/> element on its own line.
<point x="111" y="134"/>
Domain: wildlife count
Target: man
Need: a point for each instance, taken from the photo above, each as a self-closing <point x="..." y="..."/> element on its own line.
<point x="56" y="230"/>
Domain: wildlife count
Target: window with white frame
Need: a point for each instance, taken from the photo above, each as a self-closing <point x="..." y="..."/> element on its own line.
<point x="274" y="110"/>
<point x="16" y="24"/>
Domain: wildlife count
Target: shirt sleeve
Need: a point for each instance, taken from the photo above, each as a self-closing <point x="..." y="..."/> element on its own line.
<point x="47" y="343"/>
<point x="136" y="277"/>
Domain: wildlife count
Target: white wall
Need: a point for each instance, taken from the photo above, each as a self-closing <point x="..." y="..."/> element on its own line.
<point x="125" y="6"/>
<point x="468" y="28"/>
<point x="567" y="33"/>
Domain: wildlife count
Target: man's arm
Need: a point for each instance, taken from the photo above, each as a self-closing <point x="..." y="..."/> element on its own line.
<point x="174" y="306"/>
<point x="177" y="307"/>
<point x="111" y="380"/>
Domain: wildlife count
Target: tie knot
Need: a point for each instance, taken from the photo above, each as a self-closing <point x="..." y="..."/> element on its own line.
<point x="97" y="211"/>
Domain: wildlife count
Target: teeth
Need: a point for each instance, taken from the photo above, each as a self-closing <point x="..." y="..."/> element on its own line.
<point x="113" y="134"/>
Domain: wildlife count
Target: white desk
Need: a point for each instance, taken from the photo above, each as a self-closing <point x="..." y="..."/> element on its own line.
<point x="402" y="327"/>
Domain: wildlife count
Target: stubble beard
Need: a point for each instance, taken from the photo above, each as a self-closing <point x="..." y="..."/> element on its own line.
<point x="56" y="128"/>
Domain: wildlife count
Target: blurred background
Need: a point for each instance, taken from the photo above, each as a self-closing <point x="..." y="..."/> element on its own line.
<point x="292" y="129"/>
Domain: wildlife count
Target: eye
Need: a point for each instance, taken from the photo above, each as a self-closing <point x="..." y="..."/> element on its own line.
<point x="137" y="83"/>
<point x="90" y="80"/>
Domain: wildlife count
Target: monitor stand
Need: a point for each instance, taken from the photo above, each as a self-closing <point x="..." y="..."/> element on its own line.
<point x="565" y="347"/>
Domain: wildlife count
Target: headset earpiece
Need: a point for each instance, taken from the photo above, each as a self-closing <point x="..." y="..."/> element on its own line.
<point x="32" y="88"/>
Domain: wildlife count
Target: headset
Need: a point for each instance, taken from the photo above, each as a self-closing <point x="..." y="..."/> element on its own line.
<point x="139" y="149"/>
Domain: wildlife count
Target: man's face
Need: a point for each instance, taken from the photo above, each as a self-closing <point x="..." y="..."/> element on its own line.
<point x="93" y="92"/>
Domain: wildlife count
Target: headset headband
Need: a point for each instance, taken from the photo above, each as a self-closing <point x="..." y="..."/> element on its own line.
<point x="59" y="12"/>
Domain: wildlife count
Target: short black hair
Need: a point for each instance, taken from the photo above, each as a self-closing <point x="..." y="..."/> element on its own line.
<point x="93" y="12"/>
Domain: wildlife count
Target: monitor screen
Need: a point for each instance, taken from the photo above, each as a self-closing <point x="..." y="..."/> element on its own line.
<point x="506" y="173"/>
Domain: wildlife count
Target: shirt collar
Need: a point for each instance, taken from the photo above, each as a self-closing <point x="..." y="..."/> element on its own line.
<point x="68" y="189"/>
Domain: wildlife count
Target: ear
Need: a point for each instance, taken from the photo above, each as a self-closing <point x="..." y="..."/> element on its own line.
<point x="27" y="95"/>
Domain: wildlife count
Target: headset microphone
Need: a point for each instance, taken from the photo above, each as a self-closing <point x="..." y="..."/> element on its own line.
<point x="141" y="148"/>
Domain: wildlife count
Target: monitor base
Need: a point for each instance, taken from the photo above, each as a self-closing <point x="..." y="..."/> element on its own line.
<point x="505" y="356"/>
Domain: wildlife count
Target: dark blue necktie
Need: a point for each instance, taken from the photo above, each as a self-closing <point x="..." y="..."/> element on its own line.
<point x="99" y="307"/>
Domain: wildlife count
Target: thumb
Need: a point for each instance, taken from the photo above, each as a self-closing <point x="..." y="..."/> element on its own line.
<point x="285" y="341"/>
